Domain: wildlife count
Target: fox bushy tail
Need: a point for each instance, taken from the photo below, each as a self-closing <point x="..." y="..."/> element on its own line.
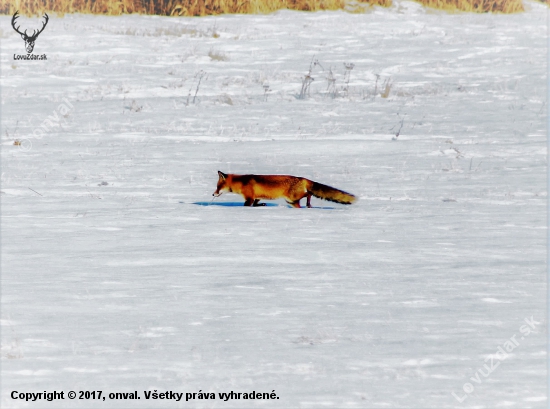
<point x="329" y="193"/>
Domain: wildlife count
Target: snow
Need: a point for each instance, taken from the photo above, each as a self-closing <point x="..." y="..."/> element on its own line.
<point x="114" y="280"/>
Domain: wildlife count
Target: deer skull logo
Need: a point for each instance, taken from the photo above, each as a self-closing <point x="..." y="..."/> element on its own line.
<point x="29" y="39"/>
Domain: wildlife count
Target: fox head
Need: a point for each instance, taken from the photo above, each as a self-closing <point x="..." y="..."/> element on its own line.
<point x="222" y="184"/>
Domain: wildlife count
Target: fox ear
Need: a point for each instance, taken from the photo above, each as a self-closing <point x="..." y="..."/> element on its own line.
<point x="222" y="175"/>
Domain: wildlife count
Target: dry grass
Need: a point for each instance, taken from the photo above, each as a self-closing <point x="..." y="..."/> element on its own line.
<point x="217" y="55"/>
<point x="172" y="7"/>
<point x="476" y="6"/>
<point x="213" y="7"/>
<point x="387" y="89"/>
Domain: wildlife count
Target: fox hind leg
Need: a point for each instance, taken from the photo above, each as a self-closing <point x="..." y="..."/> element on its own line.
<point x="256" y="203"/>
<point x="308" y="204"/>
<point x="248" y="202"/>
<point x="295" y="203"/>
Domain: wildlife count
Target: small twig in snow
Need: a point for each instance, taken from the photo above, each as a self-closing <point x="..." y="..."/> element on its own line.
<point x="201" y="74"/>
<point x="35" y="192"/>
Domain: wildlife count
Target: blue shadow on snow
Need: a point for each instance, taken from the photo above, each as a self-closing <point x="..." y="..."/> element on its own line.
<point x="228" y="204"/>
<point x="240" y="204"/>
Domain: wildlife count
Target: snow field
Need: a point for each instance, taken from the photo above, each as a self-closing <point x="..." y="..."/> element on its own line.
<point x="113" y="280"/>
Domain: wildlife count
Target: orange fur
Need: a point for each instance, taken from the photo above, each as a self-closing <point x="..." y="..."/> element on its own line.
<point x="292" y="188"/>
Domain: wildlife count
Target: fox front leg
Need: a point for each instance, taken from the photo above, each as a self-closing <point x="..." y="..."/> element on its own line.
<point x="308" y="204"/>
<point x="256" y="203"/>
<point x="253" y="203"/>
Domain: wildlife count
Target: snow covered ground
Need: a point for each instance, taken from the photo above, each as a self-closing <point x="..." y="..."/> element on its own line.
<point x="113" y="280"/>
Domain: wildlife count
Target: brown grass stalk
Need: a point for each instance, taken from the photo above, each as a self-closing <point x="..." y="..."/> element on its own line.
<point x="476" y="6"/>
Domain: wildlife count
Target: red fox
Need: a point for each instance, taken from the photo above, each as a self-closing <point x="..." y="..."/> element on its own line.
<point x="292" y="188"/>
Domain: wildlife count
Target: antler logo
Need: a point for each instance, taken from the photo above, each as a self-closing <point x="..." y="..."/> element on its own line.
<point x="29" y="40"/>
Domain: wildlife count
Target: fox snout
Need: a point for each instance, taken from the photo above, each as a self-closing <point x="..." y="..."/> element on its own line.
<point x="219" y="191"/>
